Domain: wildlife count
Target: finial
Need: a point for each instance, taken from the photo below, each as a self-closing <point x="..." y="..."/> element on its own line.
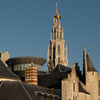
<point x="56" y="5"/>
<point x="84" y="48"/>
<point x="66" y="45"/>
<point x="48" y="46"/>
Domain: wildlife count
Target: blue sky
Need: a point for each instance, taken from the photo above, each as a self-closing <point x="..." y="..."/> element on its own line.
<point x="25" y="27"/>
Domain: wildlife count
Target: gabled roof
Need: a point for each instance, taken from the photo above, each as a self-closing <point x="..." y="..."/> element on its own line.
<point x="15" y="90"/>
<point x="53" y="80"/>
<point x="6" y="73"/>
<point x="82" y="90"/>
<point x="90" y="66"/>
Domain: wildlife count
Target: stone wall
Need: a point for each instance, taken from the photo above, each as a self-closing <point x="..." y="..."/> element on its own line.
<point x="92" y="84"/>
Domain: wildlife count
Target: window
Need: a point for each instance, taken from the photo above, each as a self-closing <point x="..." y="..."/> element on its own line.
<point x="57" y="34"/>
<point x="54" y="52"/>
<point x="54" y="33"/>
<point x="55" y="21"/>
<point x="73" y="97"/>
<point x="92" y="73"/>
<point x="58" y="49"/>
<point x="74" y="86"/>
<point x="60" y="35"/>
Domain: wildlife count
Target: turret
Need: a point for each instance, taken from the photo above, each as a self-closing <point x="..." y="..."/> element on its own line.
<point x="84" y="64"/>
<point x="48" y="55"/>
<point x="90" y="75"/>
<point x="51" y="33"/>
<point x="62" y="33"/>
<point x="66" y="56"/>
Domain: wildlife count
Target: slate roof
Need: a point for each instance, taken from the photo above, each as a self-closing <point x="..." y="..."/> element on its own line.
<point x="53" y="80"/>
<point x="90" y="66"/>
<point x="6" y="73"/>
<point x="15" y="90"/>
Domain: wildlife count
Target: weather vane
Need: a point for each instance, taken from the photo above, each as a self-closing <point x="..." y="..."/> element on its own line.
<point x="56" y="5"/>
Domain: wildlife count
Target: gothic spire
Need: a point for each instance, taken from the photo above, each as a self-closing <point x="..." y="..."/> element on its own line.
<point x="56" y="11"/>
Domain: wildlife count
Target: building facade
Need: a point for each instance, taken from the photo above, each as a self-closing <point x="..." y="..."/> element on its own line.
<point x="78" y="86"/>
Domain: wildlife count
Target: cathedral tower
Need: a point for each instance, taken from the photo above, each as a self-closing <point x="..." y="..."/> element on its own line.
<point x="57" y="53"/>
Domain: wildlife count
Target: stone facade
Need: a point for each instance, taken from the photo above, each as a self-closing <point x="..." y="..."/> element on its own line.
<point x="71" y="87"/>
<point x="91" y="79"/>
<point x="84" y="87"/>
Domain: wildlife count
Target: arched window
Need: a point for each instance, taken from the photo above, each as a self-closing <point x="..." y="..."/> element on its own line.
<point x="58" y="49"/>
<point x="54" y="33"/>
<point x="60" y="35"/>
<point x="54" y="52"/>
<point x="55" y="20"/>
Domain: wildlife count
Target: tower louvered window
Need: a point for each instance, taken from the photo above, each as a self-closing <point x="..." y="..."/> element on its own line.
<point x="58" y="49"/>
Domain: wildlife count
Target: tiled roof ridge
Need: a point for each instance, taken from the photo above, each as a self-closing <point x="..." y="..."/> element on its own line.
<point x="26" y="91"/>
<point x="45" y="93"/>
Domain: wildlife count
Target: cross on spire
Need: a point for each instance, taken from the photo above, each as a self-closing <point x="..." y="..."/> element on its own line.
<point x="56" y="5"/>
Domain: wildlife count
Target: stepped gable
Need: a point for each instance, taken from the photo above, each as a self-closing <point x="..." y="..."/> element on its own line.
<point x="90" y="66"/>
<point x="6" y="73"/>
<point x="53" y="80"/>
<point x="15" y="90"/>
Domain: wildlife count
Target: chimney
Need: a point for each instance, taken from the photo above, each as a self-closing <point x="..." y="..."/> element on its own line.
<point x="31" y="75"/>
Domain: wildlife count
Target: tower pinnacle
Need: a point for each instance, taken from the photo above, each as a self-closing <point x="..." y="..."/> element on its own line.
<point x="56" y="5"/>
<point x="57" y="49"/>
<point x="56" y="11"/>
